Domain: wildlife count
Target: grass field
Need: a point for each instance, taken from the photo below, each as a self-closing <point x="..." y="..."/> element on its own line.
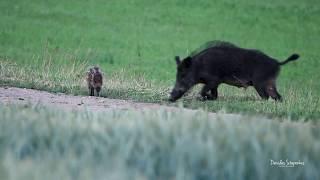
<point x="137" y="40"/>
<point x="49" y="45"/>
<point x="42" y="143"/>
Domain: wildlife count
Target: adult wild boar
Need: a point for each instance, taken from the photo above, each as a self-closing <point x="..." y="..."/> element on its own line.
<point x="224" y="62"/>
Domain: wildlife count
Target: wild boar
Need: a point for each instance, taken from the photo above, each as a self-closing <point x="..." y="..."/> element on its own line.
<point x="224" y="62"/>
<point x="94" y="80"/>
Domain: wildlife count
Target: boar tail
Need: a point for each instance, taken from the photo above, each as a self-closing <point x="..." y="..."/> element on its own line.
<point x="293" y="57"/>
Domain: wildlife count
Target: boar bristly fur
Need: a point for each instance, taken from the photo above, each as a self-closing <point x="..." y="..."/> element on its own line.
<point x="229" y="64"/>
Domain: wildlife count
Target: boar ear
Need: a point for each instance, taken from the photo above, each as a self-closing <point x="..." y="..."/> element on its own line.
<point x="177" y="58"/>
<point x="188" y="61"/>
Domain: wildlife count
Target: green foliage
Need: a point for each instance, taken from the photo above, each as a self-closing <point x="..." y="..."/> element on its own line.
<point x="42" y="143"/>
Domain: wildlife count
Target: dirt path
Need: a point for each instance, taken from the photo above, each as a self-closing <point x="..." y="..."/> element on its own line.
<point x="12" y="95"/>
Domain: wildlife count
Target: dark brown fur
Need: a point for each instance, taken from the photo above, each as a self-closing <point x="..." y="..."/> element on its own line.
<point x="229" y="64"/>
<point x="94" y="80"/>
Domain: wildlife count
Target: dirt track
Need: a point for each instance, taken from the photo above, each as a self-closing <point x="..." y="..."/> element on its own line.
<point x="23" y="96"/>
<point x="12" y="95"/>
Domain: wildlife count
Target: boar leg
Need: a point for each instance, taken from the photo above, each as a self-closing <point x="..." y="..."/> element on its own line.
<point x="260" y="88"/>
<point x="91" y="91"/>
<point x="272" y="91"/>
<point x="214" y="93"/>
<point x="213" y="87"/>
<point x="98" y="91"/>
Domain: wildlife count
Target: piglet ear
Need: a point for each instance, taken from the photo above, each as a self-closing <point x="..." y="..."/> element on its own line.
<point x="178" y="61"/>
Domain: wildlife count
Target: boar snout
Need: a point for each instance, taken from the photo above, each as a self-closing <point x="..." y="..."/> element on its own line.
<point x="176" y="94"/>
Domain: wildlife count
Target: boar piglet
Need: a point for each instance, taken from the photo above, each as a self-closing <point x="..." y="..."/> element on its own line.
<point x="229" y="64"/>
<point x="94" y="80"/>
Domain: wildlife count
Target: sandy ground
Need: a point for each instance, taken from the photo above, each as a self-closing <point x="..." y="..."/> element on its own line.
<point x="12" y="95"/>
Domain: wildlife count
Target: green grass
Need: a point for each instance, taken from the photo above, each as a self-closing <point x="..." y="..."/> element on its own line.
<point x="41" y="143"/>
<point x="49" y="45"/>
<point x="135" y="42"/>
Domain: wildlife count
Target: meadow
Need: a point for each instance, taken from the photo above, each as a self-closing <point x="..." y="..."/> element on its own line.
<point x="49" y="45"/>
<point x="137" y="41"/>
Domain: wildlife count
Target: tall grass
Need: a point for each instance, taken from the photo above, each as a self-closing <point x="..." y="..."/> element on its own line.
<point x="42" y="143"/>
<point x="49" y="71"/>
<point x="69" y="77"/>
<point x="135" y="42"/>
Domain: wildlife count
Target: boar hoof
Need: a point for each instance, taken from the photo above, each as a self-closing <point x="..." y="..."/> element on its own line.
<point x="207" y="97"/>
